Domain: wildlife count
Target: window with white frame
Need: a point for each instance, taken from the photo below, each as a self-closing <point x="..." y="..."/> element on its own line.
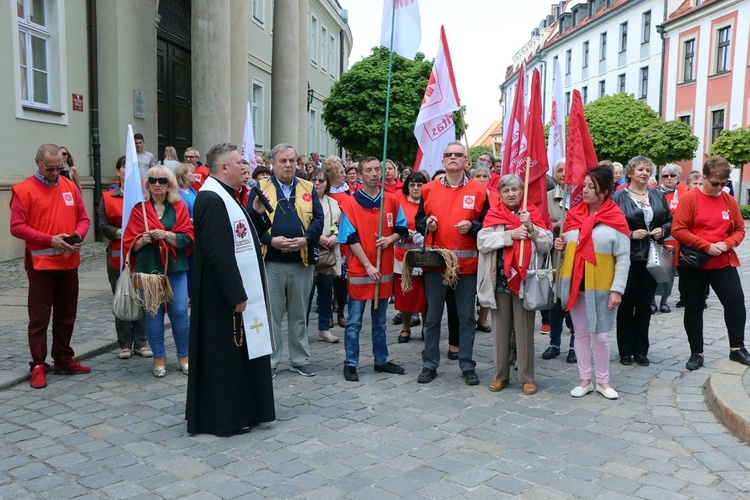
<point x="717" y="124"/>
<point x="602" y="88"/>
<point x="314" y="40"/>
<point x="621" y="82"/>
<point x="585" y="54"/>
<point x="723" y="36"/>
<point x="624" y="36"/>
<point x="258" y="10"/>
<point x="644" y="82"/>
<point x="567" y="103"/>
<point x="688" y="60"/>
<point x="585" y="95"/>
<point x="312" y="135"/>
<point x="258" y="113"/>
<point x="568" y="60"/>
<point x="686" y="119"/>
<point x="332" y="56"/>
<point x="323" y="50"/>
<point x="603" y="46"/>
<point x="34" y="41"/>
<point x="646" y="27"/>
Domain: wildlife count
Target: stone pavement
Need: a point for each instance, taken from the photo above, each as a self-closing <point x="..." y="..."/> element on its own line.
<point x="119" y="432"/>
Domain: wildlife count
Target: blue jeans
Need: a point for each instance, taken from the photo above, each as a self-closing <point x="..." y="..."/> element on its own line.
<point x="354" y="325"/>
<point x="178" y="316"/>
<point x="324" y="284"/>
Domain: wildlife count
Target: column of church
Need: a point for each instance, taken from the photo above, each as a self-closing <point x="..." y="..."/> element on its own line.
<point x="286" y="72"/>
<point x="304" y="65"/>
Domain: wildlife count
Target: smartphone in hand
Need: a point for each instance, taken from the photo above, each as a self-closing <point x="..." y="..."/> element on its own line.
<point x="72" y="239"/>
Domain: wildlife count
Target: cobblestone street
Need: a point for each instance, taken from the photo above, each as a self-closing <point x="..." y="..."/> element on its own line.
<point x="120" y="433"/>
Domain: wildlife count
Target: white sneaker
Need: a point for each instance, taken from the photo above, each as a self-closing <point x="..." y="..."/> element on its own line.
<point x="124" y="354"/>
<point x="579" y="392"/>
<point x="328" y="337"/>
<point x="608" y="393"/>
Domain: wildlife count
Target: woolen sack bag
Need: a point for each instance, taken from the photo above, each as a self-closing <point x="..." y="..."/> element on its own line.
<point x="660" y="262"/>
<point x="692" y="257"/>
<point x="537" y="288"/>
<point x="126" y="305"/>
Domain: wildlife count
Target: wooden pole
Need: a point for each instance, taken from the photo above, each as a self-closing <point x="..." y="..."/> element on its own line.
<point x="525" y="204"/>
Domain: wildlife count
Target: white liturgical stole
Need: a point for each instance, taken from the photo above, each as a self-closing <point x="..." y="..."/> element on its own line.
<point x="255" y="317"/>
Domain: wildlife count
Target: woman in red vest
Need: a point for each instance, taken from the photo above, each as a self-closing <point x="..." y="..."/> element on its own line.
<point x="411" y="303"/>
<point x="131" y="335"/>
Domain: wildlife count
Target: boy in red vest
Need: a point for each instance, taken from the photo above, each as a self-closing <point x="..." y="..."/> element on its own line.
<point x="359" y="225"/>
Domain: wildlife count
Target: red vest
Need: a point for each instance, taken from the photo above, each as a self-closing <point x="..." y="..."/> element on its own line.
<point x="365" y="221"/>
<point x="113" y="209"/>
<point x="451" y="206"/>
<point x="410" y="211"/>
<point x="50" y="210"/>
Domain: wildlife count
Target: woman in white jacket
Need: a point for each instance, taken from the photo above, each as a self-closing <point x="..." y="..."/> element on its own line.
<point x="500" y="278"/>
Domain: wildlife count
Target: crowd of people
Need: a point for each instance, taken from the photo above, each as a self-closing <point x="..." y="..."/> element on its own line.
<point x="332" y="235"/>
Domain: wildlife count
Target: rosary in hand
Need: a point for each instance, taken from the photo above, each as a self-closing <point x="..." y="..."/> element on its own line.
<point x="235" y="331"/>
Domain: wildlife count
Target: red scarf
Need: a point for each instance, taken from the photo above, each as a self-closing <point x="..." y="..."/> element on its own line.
<point x="578" y="217"/>
<point x="500" y="214"/>
<point x="136" y="227"/>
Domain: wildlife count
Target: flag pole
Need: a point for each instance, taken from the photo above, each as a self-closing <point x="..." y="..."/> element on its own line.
<point x="558" y="262"/>
<point x="385" y="151"/>
<point x="525" y="203"/>
<point x="466" y="137"/>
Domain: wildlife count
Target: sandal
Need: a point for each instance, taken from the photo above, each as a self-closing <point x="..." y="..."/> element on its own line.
<point x="404" y="339"/>
<point x="665" y="309"/>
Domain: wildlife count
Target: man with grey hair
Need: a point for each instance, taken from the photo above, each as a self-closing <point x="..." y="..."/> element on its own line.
<point x="290" y="252"/>
<point x="229" y="384"/>
<point x="48" y="214"/>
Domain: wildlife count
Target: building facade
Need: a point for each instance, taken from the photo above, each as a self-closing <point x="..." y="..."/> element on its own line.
<point x="180" y="71"/>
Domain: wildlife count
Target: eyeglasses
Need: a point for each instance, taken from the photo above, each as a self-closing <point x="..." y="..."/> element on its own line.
<point x="160" y="180"/>
<point x="64" y="153"/>
<point x="717" y="184"/>
<point x="415" y="185"/>
<point x="668" y="176"/>
<point x="51" y="169"/>
<point x="457" y="155"/>
<point x="190" y="157"/>
<point x="316" y="181"/>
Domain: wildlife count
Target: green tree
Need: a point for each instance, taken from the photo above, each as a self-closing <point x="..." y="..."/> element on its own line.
<point x="614" y="122"/>
<point x="666" y="142"/>
<point x="478" y="150"/>
<point x="733" y="145"/>
<point x="354" y="113"/>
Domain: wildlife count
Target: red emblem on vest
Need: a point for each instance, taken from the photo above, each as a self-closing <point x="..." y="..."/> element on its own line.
<point x="306" y="197"/>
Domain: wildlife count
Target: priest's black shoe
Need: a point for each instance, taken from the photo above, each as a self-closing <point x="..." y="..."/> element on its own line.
<point x="741" y="356"/>
<point x="626" y="360"/>
<point x="389" y="368"/>
<point x="642" y="360"/>
<point x="350" y="373"/>
<point x="551" y="352"/>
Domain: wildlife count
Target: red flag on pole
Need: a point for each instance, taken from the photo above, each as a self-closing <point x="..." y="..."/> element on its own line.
<point x="580" y="155"/>
<point x="534" y="148"/>
<point x="512" y="138"/>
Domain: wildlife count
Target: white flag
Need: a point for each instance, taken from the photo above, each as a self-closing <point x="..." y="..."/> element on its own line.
<point x="556" y="141"/>
<point x="133" y="192"/>
<point x="407" y="27"/>
<point x="435" y="127"/>
<point x="248" y="140"/>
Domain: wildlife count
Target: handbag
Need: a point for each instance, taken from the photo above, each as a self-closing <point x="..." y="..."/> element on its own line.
<point x="692" y="257"/>
<point x="660" y="262"/>
<point x="126" y="305"/>
<point x="537" y="288"/>
<point x="326" y="257"/>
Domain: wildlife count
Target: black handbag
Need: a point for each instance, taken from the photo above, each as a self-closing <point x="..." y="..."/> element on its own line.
<point x="692" y="257"/>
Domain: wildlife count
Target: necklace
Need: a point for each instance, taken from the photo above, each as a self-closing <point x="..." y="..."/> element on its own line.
<point x="241" y="331"/>
<point x="636" y="192"/>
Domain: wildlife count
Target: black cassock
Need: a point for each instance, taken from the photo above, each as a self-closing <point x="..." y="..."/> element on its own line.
<point x="227" y="392"/>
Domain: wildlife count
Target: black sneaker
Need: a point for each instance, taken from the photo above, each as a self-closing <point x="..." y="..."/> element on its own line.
<point x="397" y="319"/>
<point x="551" y="352"/>
<point x="426" y="376"/>
<point x="695" y="362"/>
<point x="350" y="373"/>
<point x="572" y="356"/>
<point x="740" y="356"/>
<point x="470" y="377"/>
<point x="389" y="368"/>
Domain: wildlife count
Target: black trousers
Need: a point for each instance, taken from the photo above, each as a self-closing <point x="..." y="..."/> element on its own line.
<point x="634" y="313"/>
<point x="726" y="283"/>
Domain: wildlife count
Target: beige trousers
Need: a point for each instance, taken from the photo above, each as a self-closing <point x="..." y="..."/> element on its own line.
<point x="510" y="315"/>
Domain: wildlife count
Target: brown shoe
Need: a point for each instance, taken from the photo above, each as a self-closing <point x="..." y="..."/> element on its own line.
<point x="498" y="385"/>
<point x="529" y="388"/>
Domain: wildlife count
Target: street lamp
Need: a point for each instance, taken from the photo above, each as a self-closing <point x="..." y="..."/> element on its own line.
<point x="310" y="93"/>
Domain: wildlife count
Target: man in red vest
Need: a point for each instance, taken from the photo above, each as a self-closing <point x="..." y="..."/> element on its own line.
<point x="450" y="215"/>
<point x="47" y="212"/>
<point x="360" y="221"/>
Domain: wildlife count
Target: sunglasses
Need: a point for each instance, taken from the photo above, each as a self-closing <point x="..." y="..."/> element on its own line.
<point x="316" y="181"/>
<point x="717" y="184"/>
<point x="668" y="176"/>
<point x="51" y="169"/>
<point x="64" y="153"/>
<point x="160" y="180"/>
<point x="457" y="155"/>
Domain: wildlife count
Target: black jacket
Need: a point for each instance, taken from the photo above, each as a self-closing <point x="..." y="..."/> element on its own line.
<point x="634" y="216"/>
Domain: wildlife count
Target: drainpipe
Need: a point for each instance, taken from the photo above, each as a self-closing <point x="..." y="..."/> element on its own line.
<point x="342" y="68"/>
<point x="661" y="31"/>
<point x="96" y="154"/>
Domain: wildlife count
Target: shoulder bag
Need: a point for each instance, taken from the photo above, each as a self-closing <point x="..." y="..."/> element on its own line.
<point x="537" y="288"/>
<point x="126" y="306"/>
